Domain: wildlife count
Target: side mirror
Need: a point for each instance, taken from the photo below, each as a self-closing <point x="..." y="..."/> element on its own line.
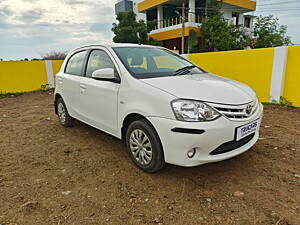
<point x="107" y="74"/>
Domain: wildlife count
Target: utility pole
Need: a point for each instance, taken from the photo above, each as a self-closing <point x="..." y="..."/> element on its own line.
<point x="139" y="37"/>
<point x="183" y="20"/>
<point x="206" y="5"/>
<point x="183" y="29"/>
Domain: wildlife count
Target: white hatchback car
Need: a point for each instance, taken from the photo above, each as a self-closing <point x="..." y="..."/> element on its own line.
<point x="165" y="108"/>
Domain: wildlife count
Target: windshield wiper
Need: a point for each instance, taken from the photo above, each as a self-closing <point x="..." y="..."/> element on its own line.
<point x="184" y="70"/>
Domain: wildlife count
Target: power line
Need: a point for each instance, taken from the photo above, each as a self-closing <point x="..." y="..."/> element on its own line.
<point x="281" y="8"/>
<point x="265" y="0"/>
<point x="242" y="10"/>
<point x="278" y="3"/>
<point x="277" y="10"/>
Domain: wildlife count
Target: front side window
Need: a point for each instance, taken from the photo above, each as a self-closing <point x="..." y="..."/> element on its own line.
<point x="146" y="62"/>
<point x="98" y="60"/>
<point x="75" y="64"/>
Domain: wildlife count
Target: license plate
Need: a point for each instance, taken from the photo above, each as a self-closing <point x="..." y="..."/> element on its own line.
<point x="247" y="129"/>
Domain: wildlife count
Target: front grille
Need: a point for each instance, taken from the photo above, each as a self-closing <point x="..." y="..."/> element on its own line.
<point x="236" y="112"/>
<point x="232" y="145"/>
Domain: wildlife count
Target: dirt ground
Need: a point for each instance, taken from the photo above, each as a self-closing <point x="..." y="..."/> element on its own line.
<point x="55" y="175"/>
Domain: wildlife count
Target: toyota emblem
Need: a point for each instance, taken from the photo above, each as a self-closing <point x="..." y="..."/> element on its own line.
<point x="249" y="109"/>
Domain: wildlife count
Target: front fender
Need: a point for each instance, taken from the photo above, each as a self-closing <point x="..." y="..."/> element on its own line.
<point x="144" y="100"/>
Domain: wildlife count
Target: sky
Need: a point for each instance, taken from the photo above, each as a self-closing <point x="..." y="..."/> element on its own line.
<point x="288" y="12"/>
<point x="32" y="28"/>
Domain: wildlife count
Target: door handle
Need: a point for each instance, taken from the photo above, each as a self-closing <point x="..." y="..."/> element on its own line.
<point x="82" y="88"/>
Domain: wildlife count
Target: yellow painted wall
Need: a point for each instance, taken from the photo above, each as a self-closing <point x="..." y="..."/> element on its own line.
<point x="252" y="67"/>
<point x="56" y="64"/>
<point x="22" y="76"/>
<point x="292" y="76"/>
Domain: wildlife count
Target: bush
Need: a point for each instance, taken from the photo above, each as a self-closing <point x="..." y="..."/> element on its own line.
<point x="218" y="35"/>
<point x="54" y="55"/>
<point x="269" y="33"/>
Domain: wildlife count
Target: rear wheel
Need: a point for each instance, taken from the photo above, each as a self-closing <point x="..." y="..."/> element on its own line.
<point x="144" y="146"/>
<point x="64" y="118"/>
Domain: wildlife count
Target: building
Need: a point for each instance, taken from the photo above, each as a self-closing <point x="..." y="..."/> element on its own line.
<point x="123" y="6"/>
<point x="169" y="19"/>
<point x="126" y="5"/>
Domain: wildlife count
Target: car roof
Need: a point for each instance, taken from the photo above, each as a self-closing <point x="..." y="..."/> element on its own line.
<point x="114" y="45"/>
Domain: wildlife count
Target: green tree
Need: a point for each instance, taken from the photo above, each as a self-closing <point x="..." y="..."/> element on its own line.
<point x="218" y="34"/>
<point x="270" y="33"/>
<point x="193" y="45"/>
<point x="128" y="29"/>
<point x="212" y="7"/>
<point x="150" y="26"/>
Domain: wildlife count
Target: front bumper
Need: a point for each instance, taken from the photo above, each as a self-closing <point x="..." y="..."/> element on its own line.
<point x="176" y="144"/>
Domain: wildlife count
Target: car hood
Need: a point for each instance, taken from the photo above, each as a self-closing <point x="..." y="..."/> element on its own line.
<point x="204" y="87"/>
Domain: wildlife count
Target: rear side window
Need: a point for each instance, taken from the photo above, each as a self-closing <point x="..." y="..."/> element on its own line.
<point x="98" y="60"/>
<point x="75" y="64"/>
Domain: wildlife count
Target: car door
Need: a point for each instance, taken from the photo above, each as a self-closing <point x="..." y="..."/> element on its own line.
<point x="99" y="98"/>
<point x="70" y="82"/>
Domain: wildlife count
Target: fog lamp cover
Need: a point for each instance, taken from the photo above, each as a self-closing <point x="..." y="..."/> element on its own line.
<point x="191" y="153"/>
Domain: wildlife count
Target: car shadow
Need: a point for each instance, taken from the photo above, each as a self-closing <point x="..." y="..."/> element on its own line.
<point x="241" y="164"/>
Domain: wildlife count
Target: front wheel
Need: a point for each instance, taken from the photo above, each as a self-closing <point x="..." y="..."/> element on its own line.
<point x="144" y="146"/>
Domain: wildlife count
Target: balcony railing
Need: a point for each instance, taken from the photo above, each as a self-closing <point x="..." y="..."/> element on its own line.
<point x="172" y="21"/>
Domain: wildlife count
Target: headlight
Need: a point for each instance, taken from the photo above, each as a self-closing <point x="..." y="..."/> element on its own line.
<point x="193" y="111"/>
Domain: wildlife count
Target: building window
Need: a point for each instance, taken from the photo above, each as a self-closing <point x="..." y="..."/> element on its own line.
<point x="247" y="22"/>
<point x="235" y="17"/>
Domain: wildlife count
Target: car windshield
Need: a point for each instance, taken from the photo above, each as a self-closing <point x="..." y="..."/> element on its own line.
<point x="147" y="62"/>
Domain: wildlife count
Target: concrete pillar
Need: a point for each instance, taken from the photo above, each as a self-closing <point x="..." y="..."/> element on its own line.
<point x="192" y="15"/>
<point x="278" y="75"/>
<point x="251" y="25"/>
<point x="241" y="19"/>
<point x="160" y="16"/>
<point x="50" y="75"/>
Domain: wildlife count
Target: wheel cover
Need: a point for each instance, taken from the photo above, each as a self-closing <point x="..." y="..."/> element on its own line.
<point x="61" y="112"/>
<point x="140" y="147"/>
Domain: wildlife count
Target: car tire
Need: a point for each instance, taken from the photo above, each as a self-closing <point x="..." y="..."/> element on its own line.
<point x="63" y="115"/>
<point x="144" y="146"/>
